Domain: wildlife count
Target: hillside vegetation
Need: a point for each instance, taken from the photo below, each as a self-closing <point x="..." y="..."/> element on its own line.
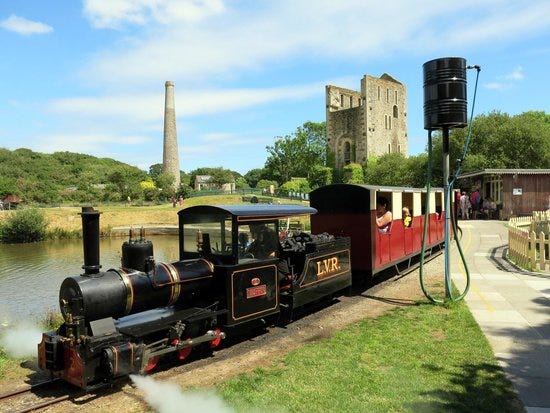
<point x="64" y="177"/>
<point x="298" y="162"/>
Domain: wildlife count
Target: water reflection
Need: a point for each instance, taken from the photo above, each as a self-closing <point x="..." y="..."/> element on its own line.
<point x="30" y="274"/>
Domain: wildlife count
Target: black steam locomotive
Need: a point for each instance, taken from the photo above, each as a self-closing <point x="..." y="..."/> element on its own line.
<point x="235" y="271"/>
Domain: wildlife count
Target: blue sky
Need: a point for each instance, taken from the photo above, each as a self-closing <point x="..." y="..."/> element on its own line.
<point x="88" y="76"/>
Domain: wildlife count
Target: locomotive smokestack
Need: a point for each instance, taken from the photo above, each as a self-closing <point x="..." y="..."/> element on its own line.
<point x="170" y="158"/>
<point x="90" y="240"/>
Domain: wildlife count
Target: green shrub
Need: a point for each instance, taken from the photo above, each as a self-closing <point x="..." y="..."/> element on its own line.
<point x="52" y="320"/>
<point x="25" y="225"/>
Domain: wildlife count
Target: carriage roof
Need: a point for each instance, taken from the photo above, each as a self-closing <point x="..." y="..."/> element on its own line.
<point x="243" y="212"/>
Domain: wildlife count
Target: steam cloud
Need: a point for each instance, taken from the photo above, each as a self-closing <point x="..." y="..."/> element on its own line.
<point x="21" y="340"/>
<point x="169" y="398"/>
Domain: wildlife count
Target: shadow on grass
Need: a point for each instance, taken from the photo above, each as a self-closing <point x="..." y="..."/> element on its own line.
<point x="480" y="388"/>
<point x="389" y="300"/>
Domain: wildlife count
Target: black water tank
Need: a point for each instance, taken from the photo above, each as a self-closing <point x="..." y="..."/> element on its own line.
<point x="445" y="103"/>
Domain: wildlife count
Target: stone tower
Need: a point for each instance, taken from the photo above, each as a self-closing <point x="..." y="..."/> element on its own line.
<point x="370" y="122"/>
<point x="170" y="158"/>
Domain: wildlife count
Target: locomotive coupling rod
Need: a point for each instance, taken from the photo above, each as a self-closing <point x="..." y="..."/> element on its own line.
<point x="209" y="336"/>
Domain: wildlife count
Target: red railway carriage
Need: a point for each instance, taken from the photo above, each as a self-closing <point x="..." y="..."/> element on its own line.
<point x="350" y="210"/>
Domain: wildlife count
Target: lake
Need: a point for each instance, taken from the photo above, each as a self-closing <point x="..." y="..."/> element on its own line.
<point x="31" y="274"/>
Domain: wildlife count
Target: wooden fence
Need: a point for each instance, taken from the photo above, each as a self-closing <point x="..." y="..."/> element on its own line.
<point x="527" y="248"/>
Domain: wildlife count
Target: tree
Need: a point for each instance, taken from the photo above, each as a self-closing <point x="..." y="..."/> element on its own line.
<point x="266" y="183"/>
<point x="255" y="175"/>
<point x="300" y="185"/>
<point x="320" y="176"/>
<point x="240" y="183"/>
<point x="296" y="155"/>
<point x="165" y="184"/>
<point x="389" y="169"/>
<point x="155" y="170"/>
<point x="221" y="176"/>
<point x="353" y="174"/>
<point x="502" y="141"/>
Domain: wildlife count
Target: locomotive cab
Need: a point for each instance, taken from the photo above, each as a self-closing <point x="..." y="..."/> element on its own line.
<point x="259" y="271"/>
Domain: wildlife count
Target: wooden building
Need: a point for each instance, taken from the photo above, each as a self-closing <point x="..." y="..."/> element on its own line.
<point x="11" y="201"/>
<point x="517" y="192"/>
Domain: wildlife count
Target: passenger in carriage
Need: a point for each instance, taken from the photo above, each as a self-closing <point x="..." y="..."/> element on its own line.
<point x="407" y="219"/>
<point x="384" y="217"/>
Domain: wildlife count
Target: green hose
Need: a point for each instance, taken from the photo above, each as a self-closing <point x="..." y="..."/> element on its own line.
<point x="448" y="289"/>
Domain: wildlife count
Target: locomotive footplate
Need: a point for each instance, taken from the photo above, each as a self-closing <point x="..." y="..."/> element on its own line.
<point x="159" y="319"/>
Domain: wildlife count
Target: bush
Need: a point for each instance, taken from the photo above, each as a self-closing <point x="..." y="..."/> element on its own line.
<point x="25" y="225"/>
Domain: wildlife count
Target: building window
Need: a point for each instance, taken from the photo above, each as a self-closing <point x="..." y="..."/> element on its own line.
<point x="389" y="122"/>
<point x="341" y="100"/>
<point x="387" y="95"/>
<point x="347" y="153"/>
<point x="395" y="111"/>
<point x="396" y="97"/>
<point x="351" y="101"/>
<point x="389" y="147"/>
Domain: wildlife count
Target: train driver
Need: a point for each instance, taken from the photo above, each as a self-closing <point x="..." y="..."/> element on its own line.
<point x="384" y="217"/>
<point x="265" y="241"/>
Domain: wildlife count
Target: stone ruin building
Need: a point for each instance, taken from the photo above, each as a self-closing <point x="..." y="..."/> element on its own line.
<point x="372" y="121"/>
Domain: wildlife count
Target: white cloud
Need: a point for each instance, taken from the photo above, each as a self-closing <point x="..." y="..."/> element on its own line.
<point x="516" y="74"/>
<point x="84" y="143"/>
<point x="23" y="26"/>
<point x="196" y="41"/>
<point x="507" y="81"/>
<point x="188" y="102"/>
<point x="496" y="86"/>
<point x="116" y="13"/>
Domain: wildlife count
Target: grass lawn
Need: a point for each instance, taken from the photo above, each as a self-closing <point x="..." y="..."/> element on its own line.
<point x="423" y="358"/>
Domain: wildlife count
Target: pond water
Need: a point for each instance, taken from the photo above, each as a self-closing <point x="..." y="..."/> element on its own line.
<point x="31" y="274"/>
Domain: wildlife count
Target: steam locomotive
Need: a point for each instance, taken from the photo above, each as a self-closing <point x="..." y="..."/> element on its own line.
<point x="237" y="269"/>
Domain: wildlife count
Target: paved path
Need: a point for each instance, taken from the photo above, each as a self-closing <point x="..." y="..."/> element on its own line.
<point x="511" y="306"/>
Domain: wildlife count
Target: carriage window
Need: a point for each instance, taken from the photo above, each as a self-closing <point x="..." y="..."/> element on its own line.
<point x="258" y="240"/>
<point x="210" y="236"/>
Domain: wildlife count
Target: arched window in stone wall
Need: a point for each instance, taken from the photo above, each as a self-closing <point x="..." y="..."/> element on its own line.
<point x="395" y="111"/>
<point x="347" y="153"/>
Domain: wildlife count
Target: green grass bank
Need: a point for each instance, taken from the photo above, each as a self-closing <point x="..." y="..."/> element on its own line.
<point x="422" y="358"/>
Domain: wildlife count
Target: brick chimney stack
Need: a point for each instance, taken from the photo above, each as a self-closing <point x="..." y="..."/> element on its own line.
<point x="170" y="158"/>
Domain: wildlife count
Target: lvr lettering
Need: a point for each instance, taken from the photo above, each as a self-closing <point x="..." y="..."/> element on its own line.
<point x="327" y="266"/>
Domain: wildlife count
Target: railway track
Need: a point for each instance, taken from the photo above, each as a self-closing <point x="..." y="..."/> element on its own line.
<point x="32" y="397"/>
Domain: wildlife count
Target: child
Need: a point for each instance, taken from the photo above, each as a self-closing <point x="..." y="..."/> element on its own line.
<point x="406" y="217"/>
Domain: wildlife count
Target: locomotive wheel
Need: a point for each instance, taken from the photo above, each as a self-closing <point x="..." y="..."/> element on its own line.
<point x="184" y="352"/>
<point x="152" y="363"/>
<point x="216" y="342"/>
